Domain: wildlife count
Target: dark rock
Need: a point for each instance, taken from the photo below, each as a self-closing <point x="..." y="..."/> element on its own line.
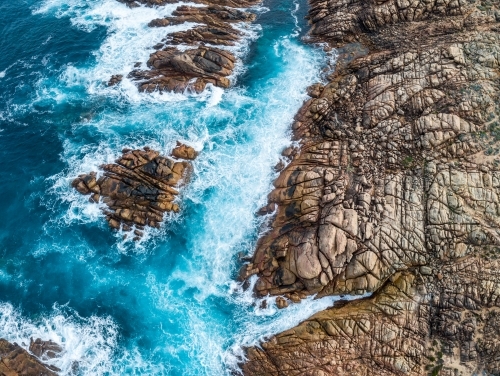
<point x="115" y="79"/>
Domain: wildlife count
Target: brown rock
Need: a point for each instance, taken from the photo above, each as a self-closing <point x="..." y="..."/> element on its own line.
<point x="15" y="361"/>
<point x="44" y="349"/>
<point x="182" y="151"/>
<point x="281" y="302"/>
<point x="174" y="70"/>
<point x="171" y="69"/>
<point x="397" y="180"/>
<point x="139" y="188"/>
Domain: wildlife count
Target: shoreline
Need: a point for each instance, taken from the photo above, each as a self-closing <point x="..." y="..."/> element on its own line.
<point x="381" y="197"/>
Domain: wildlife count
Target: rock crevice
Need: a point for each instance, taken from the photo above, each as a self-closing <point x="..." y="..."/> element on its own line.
<point x="397" y="178"/>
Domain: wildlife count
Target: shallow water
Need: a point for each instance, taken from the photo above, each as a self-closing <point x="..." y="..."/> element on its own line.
<point x="168" y="304"/>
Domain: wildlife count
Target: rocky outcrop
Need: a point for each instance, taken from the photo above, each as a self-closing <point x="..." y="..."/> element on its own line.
<point x="174" y="70"/>
<point x="15" y="361"/>
<point x="139" y="188"/>
<point x="179" y="69"/>
<point x="44" y="349"/>
<point x="225" y="3"/>
<point x="394" y="190"/>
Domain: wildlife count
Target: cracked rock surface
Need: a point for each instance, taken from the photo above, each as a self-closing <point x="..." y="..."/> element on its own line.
<point x="139" y="188"/>
<point x="15" y="361"/>
<point x="201" y="59"/>
<point x="394" y="191"/>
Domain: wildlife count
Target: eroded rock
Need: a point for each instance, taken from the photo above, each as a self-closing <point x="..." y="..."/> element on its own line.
<point x="174" y="70"/>
<point x="15" y="361"/>
<point x="396" y="182"/>
<point x="178" y="70"/>
<point x="139" y="188"/>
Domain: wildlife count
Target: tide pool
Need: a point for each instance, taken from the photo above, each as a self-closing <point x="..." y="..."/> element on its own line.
<point x="169" y="304"/>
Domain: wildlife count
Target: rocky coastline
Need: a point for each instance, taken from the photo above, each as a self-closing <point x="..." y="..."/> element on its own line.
<point x="15" y="361"/>
<point x="204" y="58"/>
<point x="394" y="192"/>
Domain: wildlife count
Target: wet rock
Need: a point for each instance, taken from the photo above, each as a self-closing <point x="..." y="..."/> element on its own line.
<point x="224" y="3"/>
<point x="281" y="302"/>
<point x="139" y="188"/>
<point x="115" y="79"/>
<point x="44" y="349"/>
<point x="211" y="16"/>
<point x="176" y="69"/>
<point x="182" y="151"/>
<point x="15" y="361"/>
<point x="193" y="69"/>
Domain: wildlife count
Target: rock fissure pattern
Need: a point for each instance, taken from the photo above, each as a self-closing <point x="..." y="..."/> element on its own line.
<point x="15" y="361"/>
<point x="394" y="190"/>
<point x="139" y="188"/>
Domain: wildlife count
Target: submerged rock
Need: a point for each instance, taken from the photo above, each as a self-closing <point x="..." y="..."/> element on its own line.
<point x="395" y="191"/>
<point x="139" y="188"/>
<point x="15" y="361"/>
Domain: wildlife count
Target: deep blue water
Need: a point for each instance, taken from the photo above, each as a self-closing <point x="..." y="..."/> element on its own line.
<point x="168" y="304"/>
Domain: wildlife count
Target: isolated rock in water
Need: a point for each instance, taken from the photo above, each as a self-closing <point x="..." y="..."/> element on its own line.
<point x="174" y="70"/>
<point x="225" y="3"/>
<point x="45" y="349"/>
<point x="139" y="188"/>
<point x="15" y="361"/>
<point x="395" y="191"/>
<point x="222" y="34"/>
<point x="115" y="79"/>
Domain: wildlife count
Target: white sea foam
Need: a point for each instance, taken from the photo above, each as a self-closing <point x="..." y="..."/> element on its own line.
<point x="235" y="166"/>
<point x="240" y="135"/>
<point x="90" y="345"/>
<point x="129" y="41"/>
<point x="89" y="342"/>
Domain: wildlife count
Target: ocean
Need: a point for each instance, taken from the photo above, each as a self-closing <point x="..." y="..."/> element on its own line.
<point x="168" y="304"/>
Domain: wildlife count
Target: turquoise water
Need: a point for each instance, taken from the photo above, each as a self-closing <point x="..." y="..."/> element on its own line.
<point x="169" y="304"/>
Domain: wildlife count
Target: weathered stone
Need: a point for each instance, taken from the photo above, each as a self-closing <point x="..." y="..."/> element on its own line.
<point x="15" y="361"/>
<point x="139" y="188"/>
<point x="44" y="349"/>
<point x="394" y="191"/>
<point x="180" y="70"/>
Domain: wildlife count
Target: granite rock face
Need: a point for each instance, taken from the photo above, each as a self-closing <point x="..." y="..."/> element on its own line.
<point x="15" y="361"/>
<point x="394" y="191"/>
<point x="174" y="69"/>
<point x="139" y="188"/>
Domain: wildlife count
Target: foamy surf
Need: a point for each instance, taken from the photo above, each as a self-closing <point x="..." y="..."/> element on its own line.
<point x="129" y="44"/>
<point x="170" y="300"/>
<point x="88" y="344"/>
